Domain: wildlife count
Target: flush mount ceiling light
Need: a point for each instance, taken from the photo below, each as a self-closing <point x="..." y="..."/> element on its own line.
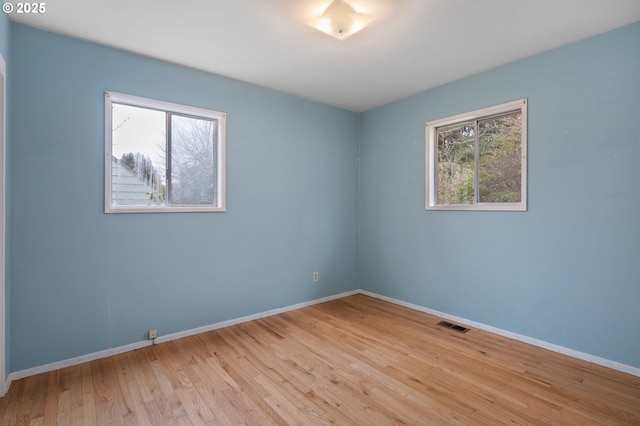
<point x="340" y="20"/>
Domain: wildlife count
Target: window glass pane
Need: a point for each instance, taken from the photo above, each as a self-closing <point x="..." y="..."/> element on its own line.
<point x="137" y="161"/>
<point x="193" y="165"/>
<point x="500" y="166"/>
<point x="456" y="157"/>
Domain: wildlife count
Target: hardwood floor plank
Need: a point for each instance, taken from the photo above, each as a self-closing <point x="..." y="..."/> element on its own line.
<point x="197" y="412"/>
<point x="51" y="404"/>
<point x="33" y="398"/>
<point x="356" y="360"/>
<point x="131" y="392"/>
<point x="281" y="403"/>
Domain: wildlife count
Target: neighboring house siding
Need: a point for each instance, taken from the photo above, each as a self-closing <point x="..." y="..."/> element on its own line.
<point x="129" y="189"/>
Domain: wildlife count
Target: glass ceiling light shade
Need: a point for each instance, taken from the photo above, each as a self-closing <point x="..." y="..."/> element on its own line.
<point x="340" y="20"/>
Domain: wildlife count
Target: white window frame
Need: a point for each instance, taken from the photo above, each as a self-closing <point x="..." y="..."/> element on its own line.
<point x="120" y="98"/>
<point x="431" y="168"/>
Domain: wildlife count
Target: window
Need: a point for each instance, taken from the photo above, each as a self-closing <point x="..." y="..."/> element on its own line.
<point x="162" y="157"/>
<point x="477" y="160"/>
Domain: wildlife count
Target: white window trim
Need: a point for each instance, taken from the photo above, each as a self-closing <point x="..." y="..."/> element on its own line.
<point x="121" y="98"/>
<point x="431" y="156"/>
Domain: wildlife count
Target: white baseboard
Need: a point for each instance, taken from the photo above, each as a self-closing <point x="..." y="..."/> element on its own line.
<point x="16" y="375"/>
<point x="532" y="341"/>
<point x="247" y="318"/>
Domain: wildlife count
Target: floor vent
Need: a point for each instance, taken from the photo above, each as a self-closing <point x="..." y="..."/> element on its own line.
<point x="452" y="326"/>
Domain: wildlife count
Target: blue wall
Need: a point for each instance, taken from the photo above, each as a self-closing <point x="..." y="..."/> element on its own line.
<point x="5" y="51"/>
<point x="566" y="271"/>
<point x="84" y="281"/>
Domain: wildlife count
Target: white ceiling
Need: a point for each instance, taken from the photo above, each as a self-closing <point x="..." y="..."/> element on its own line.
<point x="411" y="46"/>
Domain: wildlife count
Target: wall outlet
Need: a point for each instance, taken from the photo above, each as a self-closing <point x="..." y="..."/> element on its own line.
<point x="315" y="277"/>
<point x="153" y="333"/>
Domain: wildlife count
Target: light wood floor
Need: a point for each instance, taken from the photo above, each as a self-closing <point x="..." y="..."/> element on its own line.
<point x="353" y="361"/>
